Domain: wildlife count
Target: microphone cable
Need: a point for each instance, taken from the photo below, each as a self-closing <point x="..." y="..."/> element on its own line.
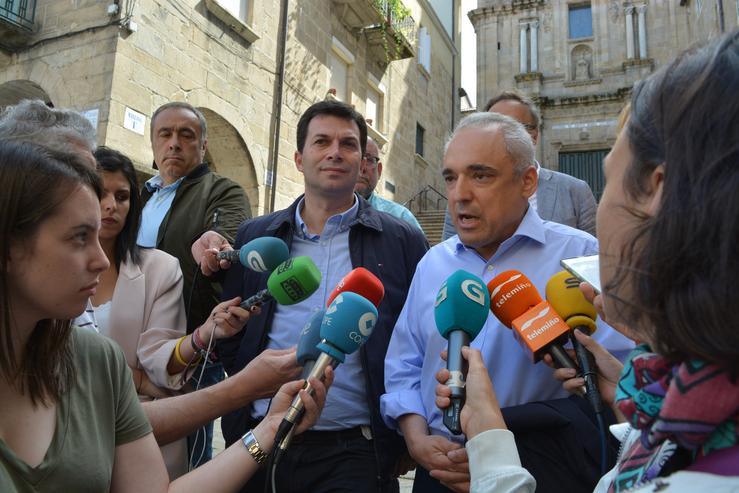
<point x="590" y="375"/>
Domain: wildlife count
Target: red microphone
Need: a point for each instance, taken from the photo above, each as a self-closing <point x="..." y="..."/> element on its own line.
<point x="362" y="282"/>
<point x="515" y="301"/>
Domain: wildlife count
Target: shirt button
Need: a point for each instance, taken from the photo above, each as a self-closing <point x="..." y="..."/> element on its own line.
<point x="490" y="268"/>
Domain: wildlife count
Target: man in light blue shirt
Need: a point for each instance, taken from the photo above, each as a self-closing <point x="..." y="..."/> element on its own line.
<point x="490" y="174"/>
<point x="367" y="182"/>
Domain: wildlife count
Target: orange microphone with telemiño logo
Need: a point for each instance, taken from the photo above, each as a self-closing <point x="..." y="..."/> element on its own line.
<point x="516" y="302"/>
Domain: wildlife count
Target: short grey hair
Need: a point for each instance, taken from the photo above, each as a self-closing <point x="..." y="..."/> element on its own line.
<point x="55" y="129"/>
<point x="517" y="140"/>
<point x="184" y="106"/>
<point x="518" y="97"/>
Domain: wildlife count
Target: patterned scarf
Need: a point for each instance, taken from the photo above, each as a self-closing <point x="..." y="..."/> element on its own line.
<point x="693" y="405"/>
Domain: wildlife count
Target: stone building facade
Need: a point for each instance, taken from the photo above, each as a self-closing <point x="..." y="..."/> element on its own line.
<point x="579" y="59"/>
<point x="118" y="60"/>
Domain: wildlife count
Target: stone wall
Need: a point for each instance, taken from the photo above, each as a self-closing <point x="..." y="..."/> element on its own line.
<point x="86" y="59"/>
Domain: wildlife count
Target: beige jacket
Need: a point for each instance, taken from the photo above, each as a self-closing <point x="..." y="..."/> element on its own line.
<point x="147" y="317"/>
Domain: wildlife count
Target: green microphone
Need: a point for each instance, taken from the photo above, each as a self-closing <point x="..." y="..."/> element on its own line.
<point x="293" y="281"/>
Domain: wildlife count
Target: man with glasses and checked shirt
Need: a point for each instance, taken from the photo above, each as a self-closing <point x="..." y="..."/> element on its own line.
<point x="369" y="175"/>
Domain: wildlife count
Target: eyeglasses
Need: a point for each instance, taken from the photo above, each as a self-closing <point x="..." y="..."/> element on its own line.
<point x="372" y="161"/>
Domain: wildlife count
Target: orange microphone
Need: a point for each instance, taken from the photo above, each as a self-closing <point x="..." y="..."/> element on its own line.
<point x="515" y="301"/>
<point x="362" y="282"/>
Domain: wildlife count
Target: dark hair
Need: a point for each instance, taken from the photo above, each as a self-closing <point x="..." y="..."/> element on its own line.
<point x="183" y="106"/>
<point x="112" y="161"/>
<point x="333" y="108"/>
<point x="35" y="182"/>
<point x="518" y="97"/>
<point x="682" y="263"/>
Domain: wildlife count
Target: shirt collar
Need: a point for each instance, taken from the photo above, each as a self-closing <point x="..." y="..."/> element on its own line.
<point x="157" y="183"/>
<point x="340" y="222"/>
<point x="531" y="226"/>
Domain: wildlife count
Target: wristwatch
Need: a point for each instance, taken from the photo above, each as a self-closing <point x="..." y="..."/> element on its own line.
<point x="252" y="446"/>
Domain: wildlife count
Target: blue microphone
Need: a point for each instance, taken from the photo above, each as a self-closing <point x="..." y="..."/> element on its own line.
<point x="346" y="325"/>
<point x="308" y="352"/>
<point x="260" y="254"/>
<point x="460" y="312"/>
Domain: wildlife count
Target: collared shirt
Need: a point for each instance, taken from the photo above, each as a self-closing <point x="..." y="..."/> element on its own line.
<point x="394" y="209"/>
<point x="532" y="199"/>
<point x="413" y="356"/>
<point x="155" y="209"/>
<point x="346" y="404"/>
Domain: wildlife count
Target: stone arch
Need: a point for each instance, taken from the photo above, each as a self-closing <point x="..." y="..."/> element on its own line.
<point x="228" y="155"/>
<point x="12" y="92"/>
<point x="581" y="62"/>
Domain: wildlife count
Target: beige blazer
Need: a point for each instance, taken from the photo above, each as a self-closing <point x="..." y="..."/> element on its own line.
<point x="147" y="317"/>
<point x="147" y="314"/>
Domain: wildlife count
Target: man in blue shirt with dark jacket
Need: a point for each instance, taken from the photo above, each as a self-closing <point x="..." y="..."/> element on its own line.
<point x="350" y="448"/>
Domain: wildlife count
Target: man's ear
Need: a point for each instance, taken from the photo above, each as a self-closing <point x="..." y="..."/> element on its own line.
<point x="655" y="188"/>
<point x="379" y="169"/>
<point x="203" y="149"/>
<point x="529" y="180"/>
<point x="298" y="157"/>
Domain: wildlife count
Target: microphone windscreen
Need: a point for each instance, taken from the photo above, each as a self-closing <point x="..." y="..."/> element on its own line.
<point x="362" y="282"/>
<point x="347" y="324"/>
<point x="563" y="293"/>
<point x="294" y="280"/>
<point x="462" y="303"/>
<point x="511" y="294"/>
<point x="310" y="336"/>
<point x="263" y="254"/>
<point x="537" y="328"/>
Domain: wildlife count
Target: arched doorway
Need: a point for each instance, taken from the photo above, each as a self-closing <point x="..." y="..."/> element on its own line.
<point x="14" y="91"/>
<point x="228" y="155"/>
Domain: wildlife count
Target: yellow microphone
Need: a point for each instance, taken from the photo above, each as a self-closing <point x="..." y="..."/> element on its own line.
<point x="563" y="293"/>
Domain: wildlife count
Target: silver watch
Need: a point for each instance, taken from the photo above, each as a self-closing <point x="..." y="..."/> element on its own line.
<point x="252" y="446"/>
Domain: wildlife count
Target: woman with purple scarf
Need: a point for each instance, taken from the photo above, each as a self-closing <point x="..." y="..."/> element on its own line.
<point x="668" y="226"/>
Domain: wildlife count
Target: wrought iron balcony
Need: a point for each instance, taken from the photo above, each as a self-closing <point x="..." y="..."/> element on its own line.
<point x="395" y="35"/>
<point x="16" y="23"/>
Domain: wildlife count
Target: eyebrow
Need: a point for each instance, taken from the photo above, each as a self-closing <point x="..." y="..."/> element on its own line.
<point x="84" y="227"/>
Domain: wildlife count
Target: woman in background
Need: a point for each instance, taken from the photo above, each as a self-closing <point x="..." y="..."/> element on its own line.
<point x="138" y="302"/>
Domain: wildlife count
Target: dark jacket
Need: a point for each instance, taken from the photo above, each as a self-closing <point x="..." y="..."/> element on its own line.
<point x="200" y="194"/>
<point x="386" y="246"/>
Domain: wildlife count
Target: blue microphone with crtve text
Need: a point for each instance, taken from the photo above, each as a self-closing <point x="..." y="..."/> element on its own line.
<point x="461" y="309"/>
<point x="260" y="254"/>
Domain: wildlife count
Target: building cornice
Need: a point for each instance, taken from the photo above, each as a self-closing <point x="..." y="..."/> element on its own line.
<point x="501" y="8"/>
<point x="618" y="95"/>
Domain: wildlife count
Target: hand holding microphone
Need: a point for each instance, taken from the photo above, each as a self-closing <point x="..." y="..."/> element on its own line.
<point x="481" y="411"/>
<point x="346" y="325"/>
<point x="260" y="254"/>
<point x="461" y="309"/>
